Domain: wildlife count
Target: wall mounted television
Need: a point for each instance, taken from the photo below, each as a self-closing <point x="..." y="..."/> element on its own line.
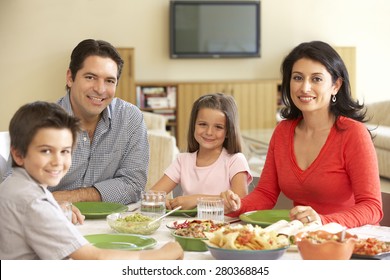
<point x="214" y="29"/>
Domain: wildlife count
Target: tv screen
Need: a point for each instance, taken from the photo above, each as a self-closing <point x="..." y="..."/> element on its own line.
<point x="215" y="29"/>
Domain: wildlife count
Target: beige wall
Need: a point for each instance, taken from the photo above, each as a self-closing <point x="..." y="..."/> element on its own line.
<point x="37" y="37"/>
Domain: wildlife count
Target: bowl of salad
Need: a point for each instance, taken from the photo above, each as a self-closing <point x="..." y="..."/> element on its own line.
<point x="191" y="233"/>
<point x="323" y="245"/>
<point x="134" y="223"/>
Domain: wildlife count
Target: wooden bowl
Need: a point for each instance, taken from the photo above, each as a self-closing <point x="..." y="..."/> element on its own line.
<point x="325" y="245"/>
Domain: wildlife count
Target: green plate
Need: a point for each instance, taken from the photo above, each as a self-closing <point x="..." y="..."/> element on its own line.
<point x="265" y="218"/>
<point x="99" y="210"/>
<point x="130" y="242"/>
<point x="185" y="213"/>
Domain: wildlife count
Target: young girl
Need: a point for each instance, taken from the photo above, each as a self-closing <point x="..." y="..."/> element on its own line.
<point x="214" y="162"/>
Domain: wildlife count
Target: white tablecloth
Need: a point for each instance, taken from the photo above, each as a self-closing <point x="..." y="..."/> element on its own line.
<point x="163" y="235"/>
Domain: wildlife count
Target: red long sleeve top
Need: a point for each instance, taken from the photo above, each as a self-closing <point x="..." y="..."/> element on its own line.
<point x="342" y="184"/>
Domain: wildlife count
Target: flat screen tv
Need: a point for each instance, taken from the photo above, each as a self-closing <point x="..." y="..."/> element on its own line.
<point x="214" y="29"/>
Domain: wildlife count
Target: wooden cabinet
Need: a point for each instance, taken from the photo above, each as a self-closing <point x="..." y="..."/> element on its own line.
<point x="256" y="102"/>
<point x="126" y="85"/>
<point x="159" y="98"/>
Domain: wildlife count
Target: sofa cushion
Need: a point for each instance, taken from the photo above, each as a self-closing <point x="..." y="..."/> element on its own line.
<point x="381" y="136"/>
<point x="378" y="113"/>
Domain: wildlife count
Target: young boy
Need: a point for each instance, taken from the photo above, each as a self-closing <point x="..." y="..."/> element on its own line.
<point x="33" y="224"/>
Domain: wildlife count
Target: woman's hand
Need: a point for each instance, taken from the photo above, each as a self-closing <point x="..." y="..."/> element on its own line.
<point x="232" y="202"/>
<point x="305" y="214"/>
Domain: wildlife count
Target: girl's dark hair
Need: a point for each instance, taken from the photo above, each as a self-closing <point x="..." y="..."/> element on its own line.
<point x="323" y="53"/>
<point x="227" y="105"/>
<point x="90" y="47"/>
<point x="31" y="117"/>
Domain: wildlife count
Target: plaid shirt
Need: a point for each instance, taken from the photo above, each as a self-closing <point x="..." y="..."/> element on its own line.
<point x="116" y="161"/>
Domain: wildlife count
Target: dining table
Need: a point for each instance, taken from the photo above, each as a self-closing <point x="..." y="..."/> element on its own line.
<point x="164" y="234"/>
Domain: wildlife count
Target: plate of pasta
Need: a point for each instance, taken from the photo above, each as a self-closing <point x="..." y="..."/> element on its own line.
<point x="245" y="242"/>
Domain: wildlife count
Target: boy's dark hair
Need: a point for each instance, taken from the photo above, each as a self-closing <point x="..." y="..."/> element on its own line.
<point x="31" y="117"/>
<point x="90" y="47"/>
<point x="227" y="105"/>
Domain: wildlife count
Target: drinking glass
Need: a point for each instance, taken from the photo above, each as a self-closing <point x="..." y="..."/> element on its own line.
<point x="66" y="207"/>
<point x="153" y="203"/>
<point x="210" y="208"/>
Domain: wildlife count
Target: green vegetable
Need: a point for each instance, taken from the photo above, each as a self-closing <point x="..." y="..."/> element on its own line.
<point x="137" y="217"/>
<point x="135" y="224"/>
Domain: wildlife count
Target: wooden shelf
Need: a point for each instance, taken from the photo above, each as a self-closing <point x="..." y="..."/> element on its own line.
<point x="151" y="96"/>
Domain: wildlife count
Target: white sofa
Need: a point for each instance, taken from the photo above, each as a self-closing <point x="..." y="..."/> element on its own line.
<point x="379" y="124"/>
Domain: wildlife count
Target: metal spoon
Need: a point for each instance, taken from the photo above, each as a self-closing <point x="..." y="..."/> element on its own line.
<point x="166" y="214"/>
<point x="342" y="235"/>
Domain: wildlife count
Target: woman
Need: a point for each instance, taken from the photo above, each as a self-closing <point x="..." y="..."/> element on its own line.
<point x="321" y="156"/>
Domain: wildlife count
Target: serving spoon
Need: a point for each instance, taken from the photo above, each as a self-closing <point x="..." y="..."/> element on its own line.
<point x="166" y="214"/>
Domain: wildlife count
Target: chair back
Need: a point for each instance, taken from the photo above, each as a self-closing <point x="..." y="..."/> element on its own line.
<point x="5" y="143"/>
<point x="386" y="209"/>
<point x="163" y="151"/>
<point x="282" y="203"/>
<point x="154" y="121"/>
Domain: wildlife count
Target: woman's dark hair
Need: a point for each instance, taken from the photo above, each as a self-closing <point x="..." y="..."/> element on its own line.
<point x="323" y="53"/>
<point x="31" y="117"/>
<point x="225" y="104"/>
<point x="90" y="47"/>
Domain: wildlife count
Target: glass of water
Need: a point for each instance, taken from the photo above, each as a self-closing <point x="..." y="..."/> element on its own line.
<point x="210" y="208"/>
<point x="153" y="203"/>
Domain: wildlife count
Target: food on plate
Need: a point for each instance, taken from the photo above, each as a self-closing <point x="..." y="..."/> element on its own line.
<point x="321" y="236"/>
<point x="136" y="217"/>
<point x="371" y="246"/>
<point x="323" y="245"/>
<point x="196" y="228"/>
<point x="246" y="237"/>
<point x="277" y="226"/>
<point x="134" y="223"/>
<point x="291" y="229"/>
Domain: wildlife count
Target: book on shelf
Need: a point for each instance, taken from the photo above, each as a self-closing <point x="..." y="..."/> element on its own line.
<point x="156" y="97"/>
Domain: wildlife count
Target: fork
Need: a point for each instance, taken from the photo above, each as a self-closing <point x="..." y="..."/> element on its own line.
<point x="186" y="215"/>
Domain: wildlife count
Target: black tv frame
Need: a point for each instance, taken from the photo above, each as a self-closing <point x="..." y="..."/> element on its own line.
<point x="174" y="54"/>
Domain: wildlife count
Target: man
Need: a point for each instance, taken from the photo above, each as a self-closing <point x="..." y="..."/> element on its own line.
<point x="111" y="157"/>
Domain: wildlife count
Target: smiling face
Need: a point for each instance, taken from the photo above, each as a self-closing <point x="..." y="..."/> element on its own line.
<point x="48" y="156"/>
<point x="93" y="88"/>
<point x="311" y="86"/>
<point x="210" y="129"/>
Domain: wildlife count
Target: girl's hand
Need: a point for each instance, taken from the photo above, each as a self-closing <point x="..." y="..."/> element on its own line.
<point x="232" y="202"/>
<point x="305" y="214"/>
<point x="187" y="202"/>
